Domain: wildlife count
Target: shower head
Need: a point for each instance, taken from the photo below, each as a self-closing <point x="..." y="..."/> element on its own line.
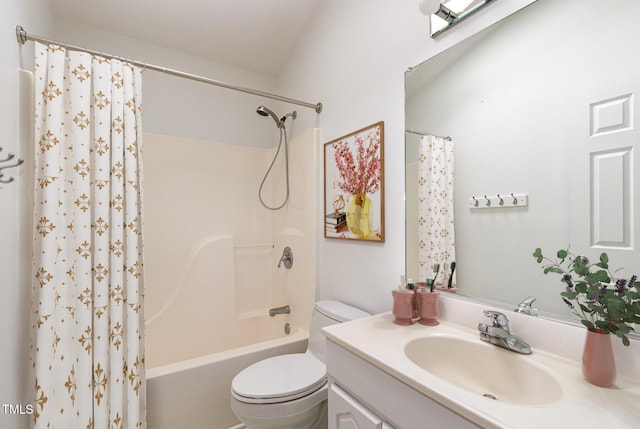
<point x="263" y="111"/>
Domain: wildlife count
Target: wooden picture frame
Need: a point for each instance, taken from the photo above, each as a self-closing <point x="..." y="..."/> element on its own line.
<point x="354" y="185"/>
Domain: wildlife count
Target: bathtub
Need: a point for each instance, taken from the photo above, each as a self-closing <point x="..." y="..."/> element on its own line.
<point x="195" y="393"/>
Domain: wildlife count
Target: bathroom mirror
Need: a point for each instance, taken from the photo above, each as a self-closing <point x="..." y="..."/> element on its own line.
<point x="540" y="104"/>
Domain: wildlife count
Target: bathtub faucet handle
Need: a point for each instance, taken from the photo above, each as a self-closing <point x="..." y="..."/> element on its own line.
<point x="286" y="258"/>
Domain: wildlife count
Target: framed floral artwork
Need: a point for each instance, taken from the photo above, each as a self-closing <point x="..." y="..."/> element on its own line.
<point x="354" y="185"/>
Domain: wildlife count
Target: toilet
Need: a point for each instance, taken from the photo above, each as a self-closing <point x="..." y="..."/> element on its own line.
<point x="290" y="391"/>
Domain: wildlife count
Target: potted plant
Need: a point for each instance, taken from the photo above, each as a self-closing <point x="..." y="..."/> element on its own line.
<point x="603" y="303"/>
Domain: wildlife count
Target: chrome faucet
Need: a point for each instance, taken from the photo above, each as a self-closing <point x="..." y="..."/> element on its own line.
<point x="525" y="306"/>
<point x="286" y="258"/>
<point x="500" y="335"/>
<point x="285" y="309"/>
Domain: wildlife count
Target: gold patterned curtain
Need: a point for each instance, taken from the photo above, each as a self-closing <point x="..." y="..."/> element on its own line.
<point x="87" y="302"/>
<point x="436" y="233"/>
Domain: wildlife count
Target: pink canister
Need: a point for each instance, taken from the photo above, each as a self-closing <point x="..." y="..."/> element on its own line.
<point x="403" y="300"/>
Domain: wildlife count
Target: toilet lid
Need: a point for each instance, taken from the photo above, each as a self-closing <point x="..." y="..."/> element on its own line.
<point x="279" y="379"/>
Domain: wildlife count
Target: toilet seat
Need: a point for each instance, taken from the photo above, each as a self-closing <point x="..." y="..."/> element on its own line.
<point x="279" y="379"/>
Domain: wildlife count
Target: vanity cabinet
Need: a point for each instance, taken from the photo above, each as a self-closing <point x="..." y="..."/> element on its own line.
<point x="348" y="413"/>
<point x="362" y="396"/>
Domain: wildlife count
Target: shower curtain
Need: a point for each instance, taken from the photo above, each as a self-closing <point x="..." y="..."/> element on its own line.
<point x="87" y="301"/>
<point x="436" y="235"/>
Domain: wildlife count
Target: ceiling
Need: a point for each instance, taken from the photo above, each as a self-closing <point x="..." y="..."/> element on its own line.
<point x="255" y="35"/>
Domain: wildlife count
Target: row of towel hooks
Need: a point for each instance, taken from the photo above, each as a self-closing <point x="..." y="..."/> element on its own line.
<point x="499" y="201"/>
<point x="4" y="166"/>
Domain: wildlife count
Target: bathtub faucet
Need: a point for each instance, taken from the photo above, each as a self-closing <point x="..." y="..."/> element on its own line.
<point x="285" y="309"/>
<point x="287" y="258"/>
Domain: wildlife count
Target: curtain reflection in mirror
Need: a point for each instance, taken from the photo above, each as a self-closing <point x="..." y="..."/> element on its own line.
<point x="436" y="235"/>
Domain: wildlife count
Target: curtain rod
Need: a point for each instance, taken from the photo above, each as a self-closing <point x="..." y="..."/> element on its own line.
<point x="24" y="37"/>
<point x="425" y="134"/>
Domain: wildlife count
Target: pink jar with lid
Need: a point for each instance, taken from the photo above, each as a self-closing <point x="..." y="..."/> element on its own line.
<point x="403" y="306"/>
<point x="428" y="307"/>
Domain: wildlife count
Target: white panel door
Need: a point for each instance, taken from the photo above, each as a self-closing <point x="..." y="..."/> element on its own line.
<point x="345" y="412"/>
<point x="604" y="191"/>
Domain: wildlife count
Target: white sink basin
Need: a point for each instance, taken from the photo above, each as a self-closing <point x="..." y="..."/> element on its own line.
<point x="484" y="369"/>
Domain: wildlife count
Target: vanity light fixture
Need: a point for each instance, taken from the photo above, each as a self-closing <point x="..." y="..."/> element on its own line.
<point x="449" y="13"/>
<point x="434" y="7"/>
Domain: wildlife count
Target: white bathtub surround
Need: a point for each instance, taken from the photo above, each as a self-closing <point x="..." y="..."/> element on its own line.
<point x="557" y="348"/>
<point x="88" y="319"/>
<point x="200" y="317"/>
<point x="211" y="256"/>
<point x="211" y="249"/>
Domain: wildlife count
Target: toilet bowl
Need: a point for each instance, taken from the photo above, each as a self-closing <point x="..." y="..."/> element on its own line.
<point x="290" y="391"/>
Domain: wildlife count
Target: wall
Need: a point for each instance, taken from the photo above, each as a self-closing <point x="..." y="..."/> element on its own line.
<point x="15" y="213"/>
<point x="355" y="54"/>
<point x="175" y="106"/>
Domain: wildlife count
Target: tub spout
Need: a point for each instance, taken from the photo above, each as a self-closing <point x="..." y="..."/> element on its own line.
<point x="285" y="309"/>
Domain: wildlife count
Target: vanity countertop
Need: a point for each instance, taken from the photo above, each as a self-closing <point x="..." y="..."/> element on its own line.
<point x="582" y="405"/>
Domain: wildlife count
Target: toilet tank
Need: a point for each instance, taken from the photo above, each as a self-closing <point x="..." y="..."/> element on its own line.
<point x="327" y="313"/>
